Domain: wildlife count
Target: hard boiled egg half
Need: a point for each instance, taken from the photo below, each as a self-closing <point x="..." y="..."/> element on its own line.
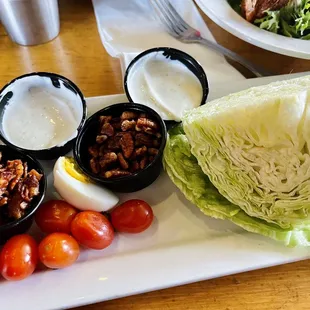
<point x="78" y="190"/>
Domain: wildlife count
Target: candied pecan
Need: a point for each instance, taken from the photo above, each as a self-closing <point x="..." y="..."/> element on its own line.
<point x="134" y="166"/>
<point x="146" y="123"/>
<point x="151" y="158"/>
<point x="116" y="173"/>
<point x="93" y="151"/>
<point x="107" y="129"/>
<point x="141" y="151"/>
<point x="152" y="151"/>
<point x="3" y="201"/>
<point x="107" y="159"/>
<point x="94" y="166"/>
<point x="101" y="138"/>
<point x="105" y="119"/>
<point x="128" y="115"/>
<point x="142" y="115"/>
<point x="143" y="139"/>
<point x="128" y="125"/>
<point x="143" y="162"/>
<point x="114" y="143"/>
<point x="138" y="128"/>
<point x="18" y="169"/>
<point x="103" y="150"/>
<point x="127" y="144"/>
<point x="122" y="161"/>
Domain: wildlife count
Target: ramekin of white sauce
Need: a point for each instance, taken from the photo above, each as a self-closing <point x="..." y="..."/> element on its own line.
<point x="41" y="113"/>
<point x="168" y="81"/>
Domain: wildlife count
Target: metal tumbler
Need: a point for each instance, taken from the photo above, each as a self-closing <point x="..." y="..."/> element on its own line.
<point x="30" y="22"/>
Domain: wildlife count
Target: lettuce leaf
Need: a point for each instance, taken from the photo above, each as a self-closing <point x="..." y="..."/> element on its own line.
<point x="184" y="170"/>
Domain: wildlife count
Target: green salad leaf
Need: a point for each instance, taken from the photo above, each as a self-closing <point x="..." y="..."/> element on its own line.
<point x="184" y="170"/>
<point x="270" y="22"/>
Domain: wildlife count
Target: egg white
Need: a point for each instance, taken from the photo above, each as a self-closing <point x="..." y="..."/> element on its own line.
<point x="83" y="196"/>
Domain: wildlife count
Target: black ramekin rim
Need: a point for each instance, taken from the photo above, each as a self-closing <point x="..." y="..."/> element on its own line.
<point x="126" y="106"/>
<point x="46" y="74"/>
<point x="44" y="180"/>
<point x="202" y="78"/>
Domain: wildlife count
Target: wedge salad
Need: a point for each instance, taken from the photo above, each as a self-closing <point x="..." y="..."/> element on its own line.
<point x="246" y="158"/>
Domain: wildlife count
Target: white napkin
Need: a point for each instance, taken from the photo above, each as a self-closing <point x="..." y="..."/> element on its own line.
<point x="128" y="27"/>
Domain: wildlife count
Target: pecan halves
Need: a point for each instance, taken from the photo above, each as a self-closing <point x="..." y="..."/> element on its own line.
<point x="143" y="139"/>
<point x="107" y="159"/>
<point x="127" y="144"/>
<point x="122" y="161"/>
<point x="141" y="151"/>
<point x="152" y="151"/>
<point x="143" y="162"/>
<point x="147" y="123"/>
<point x="94" y="166"/>
<point x="93" y="151"/>
<point x="105" y="119"/>
<point x="101" y="138"/>
<point x="107" y="129"/>
<point x="116" y="173"/>
<point x="128" y="125"/>
<point x="128" y="115"/>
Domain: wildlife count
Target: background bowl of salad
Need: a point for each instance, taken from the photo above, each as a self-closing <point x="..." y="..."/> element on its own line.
<point x="281" y="26"/>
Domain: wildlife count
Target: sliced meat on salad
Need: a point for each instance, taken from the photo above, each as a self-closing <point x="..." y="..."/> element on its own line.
<point x="252" y="9"/>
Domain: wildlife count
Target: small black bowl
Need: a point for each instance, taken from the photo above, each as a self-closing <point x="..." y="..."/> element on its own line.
<point x="174" y="54"/>
<point x="23" y="224"/>
<point x="57" y="81"/>
<point x="87" y="137"/>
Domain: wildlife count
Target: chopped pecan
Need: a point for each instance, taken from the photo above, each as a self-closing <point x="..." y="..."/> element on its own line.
<point x="3" y="201"/>
<point x="94" y="166"/>
<point x="114" y="143"/>
<point x="116" y="173"/>
<point x="25" y="169"/>
<point x="127" y="144"/>
<point x="143" y="139"/>
<point x="128" y="115"/>
<point x="143" y="162"/>
<point x="107" y="129"/>
<point x="107" y="159"/>
<point x="105" y="119"/>
<point x="93" y="151"/>
<point x="146" y="123"/>
<point x="152" y="151"/>
<point x="101" y="138"/>
<point x="128" y="125"/>
<point x="141" y="151"/>
<point x="122" y="161"/>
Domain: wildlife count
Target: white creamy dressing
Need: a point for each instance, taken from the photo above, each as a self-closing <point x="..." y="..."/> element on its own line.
<point x="39" y="115"/>
<point x="165" y="85"/>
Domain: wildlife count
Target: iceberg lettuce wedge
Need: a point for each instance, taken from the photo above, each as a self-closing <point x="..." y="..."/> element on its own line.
<point x="184" y="170"/>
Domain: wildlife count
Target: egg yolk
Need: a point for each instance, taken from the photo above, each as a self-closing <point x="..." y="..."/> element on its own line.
<point x="71" y="168"/>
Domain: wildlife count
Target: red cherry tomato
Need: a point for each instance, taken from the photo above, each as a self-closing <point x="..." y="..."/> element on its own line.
<point x="93" y="230"/>
<point x="58" y="250"/>
<point x="55" y="216"/>
<point x="19" y="257"/>
<point x="133" y="216"/>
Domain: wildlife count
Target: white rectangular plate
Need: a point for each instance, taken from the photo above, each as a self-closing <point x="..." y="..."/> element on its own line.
<point x="181" y="246"/>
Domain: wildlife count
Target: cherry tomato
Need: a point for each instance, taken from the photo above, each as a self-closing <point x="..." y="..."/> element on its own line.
<point x="19" y="257"/>
<point x="93" y="230"/>
<point x="55" y="216"/>
<point x="58" y="250"/>
<point x="133" y="216"/>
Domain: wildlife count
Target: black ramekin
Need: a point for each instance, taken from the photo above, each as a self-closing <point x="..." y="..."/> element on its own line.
<point x="174" y="54"/>
<point x="23" y="224"/>
<point x="87" y="137"/>
<point x="56" y="151"/>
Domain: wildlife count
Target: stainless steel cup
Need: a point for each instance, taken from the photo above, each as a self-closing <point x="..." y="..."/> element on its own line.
<point x="30" y="22"/>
